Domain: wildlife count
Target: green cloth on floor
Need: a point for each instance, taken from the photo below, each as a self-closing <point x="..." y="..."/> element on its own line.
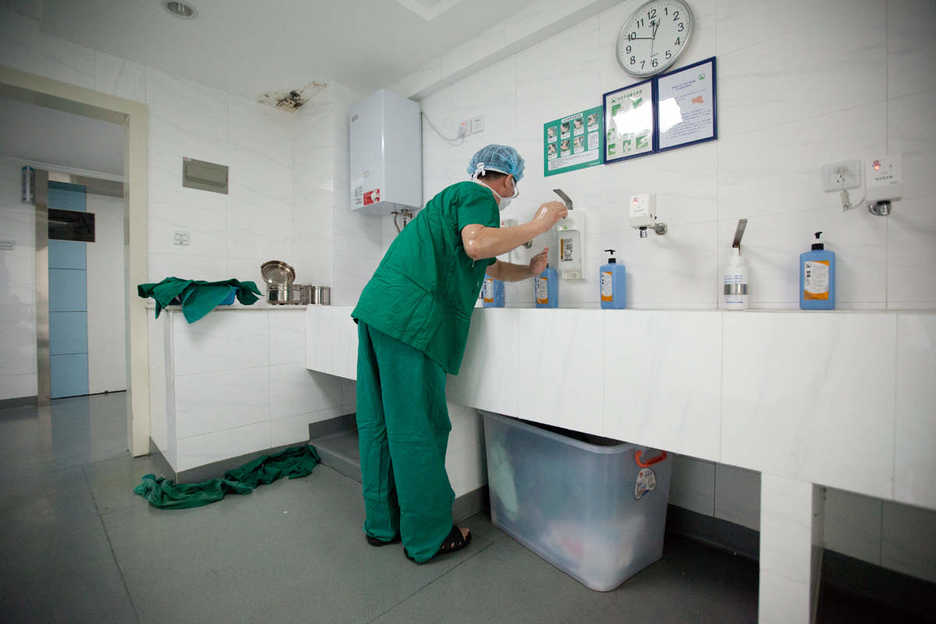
<point x="198" y="298"/>
<point x="294" y="462"/>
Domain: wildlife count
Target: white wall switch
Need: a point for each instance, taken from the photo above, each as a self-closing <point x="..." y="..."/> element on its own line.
<point x="477" y="125"/>
<point x="842" y="175"/>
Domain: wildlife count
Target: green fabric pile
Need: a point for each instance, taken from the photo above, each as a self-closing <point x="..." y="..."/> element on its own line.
<point x="197" y="297"/>
<point x="294" y="462"/>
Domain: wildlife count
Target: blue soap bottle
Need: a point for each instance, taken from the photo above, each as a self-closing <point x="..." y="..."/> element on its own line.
<point x="817" y="277"/>
<point x="612" y="284"/>
<point x="492" y="293"/>
<point x="546" y="288"/>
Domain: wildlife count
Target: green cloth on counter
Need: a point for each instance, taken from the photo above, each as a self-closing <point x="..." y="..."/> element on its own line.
<point x="197" y="297"/>
<point x="294" y="462"/>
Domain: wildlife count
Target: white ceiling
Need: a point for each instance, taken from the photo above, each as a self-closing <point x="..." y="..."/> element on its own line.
<point x="51" y="136"/>
<point x="249" y="47"/>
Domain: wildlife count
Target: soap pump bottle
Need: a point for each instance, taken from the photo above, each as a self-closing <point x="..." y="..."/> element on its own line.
<point x="492" y="293"/>
<point x="546" y="288"/>
<point x="612" y="278"/>
<point x="817" y="277"/>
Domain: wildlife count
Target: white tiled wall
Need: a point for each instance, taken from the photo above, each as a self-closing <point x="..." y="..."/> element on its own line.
<point x="18" y="285"/>
<point x="235" y="382"/>
<point x="790" y="100"/>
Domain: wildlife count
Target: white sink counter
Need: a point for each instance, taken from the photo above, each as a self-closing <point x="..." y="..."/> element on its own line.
<point x="810" y="396"/>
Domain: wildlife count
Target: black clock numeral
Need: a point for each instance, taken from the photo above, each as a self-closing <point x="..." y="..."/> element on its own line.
<point x="678" y="41"/>
<point x="628" y="50"/>
<point x="631" y="36"/>
<point x="668" y="54"/>
<point x="680" y="28"/>
<point x="654" y="63"/>
<point x="665" y="10"/>
<point x="639" y="23"/>
<point x="675" y="16"/>
<point x="633" y="60"/>
<point x="651" y="14"/>
<point x="642" y="64"/>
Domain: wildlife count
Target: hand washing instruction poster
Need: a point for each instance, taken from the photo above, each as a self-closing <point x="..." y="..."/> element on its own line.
<point x="686" y="105"/>
<point x="573" y="142"/>
<point x="629" y="118"/>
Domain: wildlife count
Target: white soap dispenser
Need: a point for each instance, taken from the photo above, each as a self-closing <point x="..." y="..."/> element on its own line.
<point x="570" y="236"/>
<point x="735" y="291"/>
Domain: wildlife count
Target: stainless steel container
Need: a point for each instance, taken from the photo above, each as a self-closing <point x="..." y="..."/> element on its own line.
<point x="278" y="294"/>
<point x="307" y="294"/>
<point x="323" y="295"/>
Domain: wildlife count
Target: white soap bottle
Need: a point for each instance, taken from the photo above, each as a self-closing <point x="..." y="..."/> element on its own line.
<point x="735" y="290"/>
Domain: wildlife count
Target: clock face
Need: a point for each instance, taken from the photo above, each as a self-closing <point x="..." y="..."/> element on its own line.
<point x="654" y="36"/>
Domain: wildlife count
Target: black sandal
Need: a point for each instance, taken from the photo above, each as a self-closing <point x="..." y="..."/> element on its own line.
<point x="453" y="542"/>
<point x="373" y="541"/>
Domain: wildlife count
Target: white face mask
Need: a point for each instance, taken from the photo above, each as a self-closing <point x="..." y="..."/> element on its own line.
<point x="503" y="202"/>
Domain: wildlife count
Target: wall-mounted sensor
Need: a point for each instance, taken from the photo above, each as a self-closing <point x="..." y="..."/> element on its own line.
<point x="643" y="217"/>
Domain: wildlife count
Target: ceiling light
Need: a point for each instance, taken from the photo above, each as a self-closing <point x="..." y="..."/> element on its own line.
<point x="181" y="9"/>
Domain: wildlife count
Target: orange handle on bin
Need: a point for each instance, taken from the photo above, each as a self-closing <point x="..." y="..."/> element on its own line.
<point x="655" y="460"/>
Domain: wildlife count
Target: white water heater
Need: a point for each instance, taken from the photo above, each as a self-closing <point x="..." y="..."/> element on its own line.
<point x="386" y="154"/>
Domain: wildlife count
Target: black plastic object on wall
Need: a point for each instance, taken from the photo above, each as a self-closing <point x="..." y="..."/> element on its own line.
<point x="71" y="225"/>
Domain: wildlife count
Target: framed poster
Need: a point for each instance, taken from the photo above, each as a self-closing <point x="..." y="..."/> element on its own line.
<point x="686" y="106"/>
<point x="630" y="121"/>
<point x="573" y="142"/>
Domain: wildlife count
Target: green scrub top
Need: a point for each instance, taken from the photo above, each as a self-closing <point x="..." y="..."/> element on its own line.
<point x="426" y="286"/>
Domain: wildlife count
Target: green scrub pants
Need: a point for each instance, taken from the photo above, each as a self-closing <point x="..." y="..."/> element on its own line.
<point x="403" y="429"/>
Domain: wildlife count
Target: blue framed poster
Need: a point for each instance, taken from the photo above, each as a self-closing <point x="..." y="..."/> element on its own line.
<point x="630" y="121"/>
<point x="686" y="106"/>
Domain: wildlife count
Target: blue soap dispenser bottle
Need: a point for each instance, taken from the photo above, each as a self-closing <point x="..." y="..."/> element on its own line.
<point x="492" y="293"/>
<point x="612" y="284"/>
<point x="546" y="288"/>
<point x="817" y="277"/>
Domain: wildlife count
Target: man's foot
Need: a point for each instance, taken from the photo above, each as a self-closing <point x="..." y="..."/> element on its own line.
<point x="373" y="541"/>
<point x="456" y="540"/>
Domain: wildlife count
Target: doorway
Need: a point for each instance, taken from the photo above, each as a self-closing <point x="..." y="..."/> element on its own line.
<point x="71" y="328"/>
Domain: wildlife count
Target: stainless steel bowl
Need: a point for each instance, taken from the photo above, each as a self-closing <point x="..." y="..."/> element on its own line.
<point x="323" y="295"/>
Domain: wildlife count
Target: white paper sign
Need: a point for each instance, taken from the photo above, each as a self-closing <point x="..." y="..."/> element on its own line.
<point x="687" y="105"/>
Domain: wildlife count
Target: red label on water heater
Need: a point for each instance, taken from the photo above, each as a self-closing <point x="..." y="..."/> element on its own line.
<point x="371" y="197"/>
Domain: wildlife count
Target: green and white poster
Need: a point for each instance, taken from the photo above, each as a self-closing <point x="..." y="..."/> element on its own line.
<point x="573" y="142"/>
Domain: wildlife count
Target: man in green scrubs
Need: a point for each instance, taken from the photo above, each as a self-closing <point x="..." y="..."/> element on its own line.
<point x="413" y="319"/>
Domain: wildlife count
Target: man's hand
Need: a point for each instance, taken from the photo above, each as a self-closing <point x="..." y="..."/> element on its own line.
<point x="548" y="215"/>
<point x="538" y="262"/>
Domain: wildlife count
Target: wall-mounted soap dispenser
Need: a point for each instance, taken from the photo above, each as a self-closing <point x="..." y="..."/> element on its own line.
<point x="569" y="232"/>
<point x="735" y="293"/>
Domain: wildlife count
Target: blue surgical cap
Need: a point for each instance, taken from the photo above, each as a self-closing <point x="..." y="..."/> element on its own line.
<point x="500" y="158"/>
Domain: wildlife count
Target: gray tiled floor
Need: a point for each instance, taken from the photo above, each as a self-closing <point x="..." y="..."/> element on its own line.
<point x="77" y="546"/>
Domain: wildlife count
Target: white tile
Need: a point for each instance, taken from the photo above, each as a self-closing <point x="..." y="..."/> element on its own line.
<point x="198" y="110"/>
<point x="119" y="77"/>
<point x="288" y="337"/>
<point x="221" y="445"/>
<point x="737" y="495"/>
<point x="492" y="331"/>
<point x="662" y="379"/>
<point x="909" y="541"/>
<point x="786" y="527"/>
<point x="911" y="131"/>
<point x="223" y="341"/>
<point x="692" y="485"/>
<point x="915" y="463"/>
<point x="261" y="128"/>
<point x="187" y="266"/>
<point x="295" y="391"/>
<point x="558" y="375"/>
<point x="911" y="252"/>
<point x="804" y="395"/>
<point x="332" y="341"/>
<point x="295" y="429"/>
<point x="853" y="525"/>
<point x="17" y="385"/>
<point x="465" y="469"/>
<point x="782" y="600"/>
<point x="466" y="431"/>
<point x="911" y="51"/>
<point x="212" y="402"/>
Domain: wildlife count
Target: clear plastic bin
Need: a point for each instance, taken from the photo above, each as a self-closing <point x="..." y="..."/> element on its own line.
<point x="594" y="508"/>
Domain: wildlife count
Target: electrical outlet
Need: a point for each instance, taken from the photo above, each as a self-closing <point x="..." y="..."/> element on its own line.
<point x="477" y="125"/>
<point x="841" y="175"/>
<point x="181" y="238"/>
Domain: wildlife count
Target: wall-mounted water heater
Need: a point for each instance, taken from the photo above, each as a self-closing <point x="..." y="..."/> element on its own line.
<point x="386" y="154"/>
